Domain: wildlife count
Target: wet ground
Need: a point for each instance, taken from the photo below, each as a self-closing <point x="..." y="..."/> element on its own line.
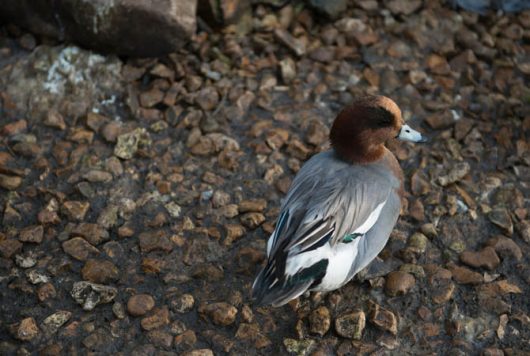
<point x="137" y="195"/>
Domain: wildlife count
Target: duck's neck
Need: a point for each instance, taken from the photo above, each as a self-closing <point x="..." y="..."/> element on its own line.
<point x="360" y="154"/>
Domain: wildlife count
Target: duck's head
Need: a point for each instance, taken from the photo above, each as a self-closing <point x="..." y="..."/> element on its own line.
<point x="360" y="130"/>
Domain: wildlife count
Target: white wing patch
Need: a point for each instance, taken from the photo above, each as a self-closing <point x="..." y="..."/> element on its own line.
<point x="306" y="259"/>
<point x="340" y="256"/>
<point x="372" y="218"/>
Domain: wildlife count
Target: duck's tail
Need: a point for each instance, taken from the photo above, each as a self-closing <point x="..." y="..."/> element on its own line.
<point x="271" y="289"/>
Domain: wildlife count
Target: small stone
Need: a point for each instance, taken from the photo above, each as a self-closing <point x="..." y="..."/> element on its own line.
<point x="160" y="338"/>
<point x="208" y="272"/>
<point x="25" y="261"/>
<point x="188" y="337"/>
<point x="413" y="269"/>
<point x="297" y="46"/>
<point x="220" y="198"/>
<point x="98" y="340"/>
<point x="233" y="233"/>
<point x="501" y="218"/>
<point x="150" y="98"/>
<point x="403" y="7"/>
<point x="443" y="293"/>
<point x="118" y="310"/>
<point x="108" y="217"/>
<point x="10" y="247"/>
<point x="155" y="241"/>
<point x="317" y="133"/>
<point x="459" y="171"/>
<point x="111" y="131"/>
<point x="93" y="233"/>
<point x="100" y="271"/>
<point x="199" y="352"/>
<point x="15" y="127"/>
<point x="97" y="176"/>
<point x="27" y="149"/>
<point x="46" y="291"/>
<point x="351" y="325"/>
<point x="53" y="322"/>
<point x="140" y="304"/>
<point x="524" y="230"/>
<point x="506" y="247"/>
<point x="79" y="248"/>
<point x="486" y="258"/>
<point x="159" y="318"/>
<point x="492" y="351"/>
<point x="429" y="230"/>
<point x="32" y="234"/>
<point x="152" y="265"/>
<point x="94" y="121"/>
<point x="384" y="319"/>
<point x="498" y="288"/>
<point x="287" y="69"/>
<point x="257" y="205"/>
<point x="207" y="98"/>
<point x="36" y="277"/>
<point x="320" y="321"/>
<point x="221" y="313"/>
<point x="416" y="210"/>
<point x="51" y="350"/>
<point x="128" y="144"/>
<point x="418" y="242"/>
<point x="89" y="295"/>
<point x="440" y="120"/>
<point x="49" y="215"/>
<point x="501" y="329"/>
<point x="173" y="209"/>
<point x="463" y="275"/>
<point x="75" y="210"/>
<point x="298" y="347"/>
<point x="183" y="304"/>
<point x="55" y="120"/>
<point x="10" y="182"/>
<point x="399" y="283"/>
<point x="252" y="220"/>
<point x="26" y="330"/>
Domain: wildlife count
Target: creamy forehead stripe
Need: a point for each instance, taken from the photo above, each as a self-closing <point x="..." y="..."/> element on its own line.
<point x="389" y="105"/>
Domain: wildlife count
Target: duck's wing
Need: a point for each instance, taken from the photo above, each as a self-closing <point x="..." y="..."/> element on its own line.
<point x="328" y="203"/>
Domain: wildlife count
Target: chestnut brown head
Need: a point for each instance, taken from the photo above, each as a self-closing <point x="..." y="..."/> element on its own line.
<point x="360" y="130"/>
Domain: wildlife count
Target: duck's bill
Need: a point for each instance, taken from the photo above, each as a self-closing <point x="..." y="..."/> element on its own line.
<point x="408" y="134"/>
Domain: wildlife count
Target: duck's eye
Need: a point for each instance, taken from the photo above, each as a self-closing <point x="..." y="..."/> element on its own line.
<point x="384" y="118"/>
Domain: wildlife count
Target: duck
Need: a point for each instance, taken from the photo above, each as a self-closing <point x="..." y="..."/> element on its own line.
<point x="341" y="206"/>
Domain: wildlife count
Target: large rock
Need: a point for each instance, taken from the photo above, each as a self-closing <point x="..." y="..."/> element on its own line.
<point x="69" y="81"/>
<point x="144" y="28"/>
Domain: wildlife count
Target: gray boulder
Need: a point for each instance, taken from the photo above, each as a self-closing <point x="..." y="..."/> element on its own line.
<point x="143" y="28"/>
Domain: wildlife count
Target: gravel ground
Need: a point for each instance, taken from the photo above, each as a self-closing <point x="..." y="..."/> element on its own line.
<point x="136" y="196"/>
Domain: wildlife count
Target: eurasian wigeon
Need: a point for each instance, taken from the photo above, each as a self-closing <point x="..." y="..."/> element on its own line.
<point x="341" y="207"/>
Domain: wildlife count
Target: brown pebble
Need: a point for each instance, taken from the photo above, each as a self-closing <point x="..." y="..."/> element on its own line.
<point x="383" y="318"/>
<point x="10" y="182"/>
<point x="26" y="330"/>
<point x="32" y="234"/>
<point x="140" y="304"/>
<point x="506" y="247"/>
<point x="79" y="248"/>
<point x="158" y="319"/>
<point x="320" y="321"/>
<point x="99" y="271"/>
<point x="463" y="275"/>
<point x="399" y="283"/>
<point x="351" y="325"/>
<point x="9" y="247"/>
<point x="221" y="313"/>
<point x="487" y="258"/>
